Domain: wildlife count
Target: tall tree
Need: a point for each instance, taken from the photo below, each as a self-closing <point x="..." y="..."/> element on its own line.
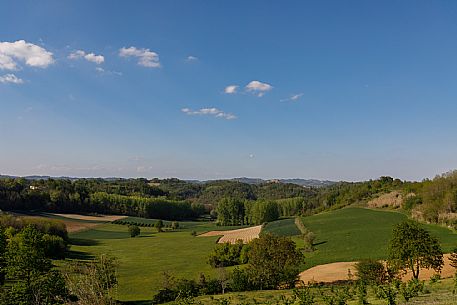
<point x="412" y="248"/>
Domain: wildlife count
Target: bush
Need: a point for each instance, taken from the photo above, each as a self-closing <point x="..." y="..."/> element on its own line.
<point x="54" y="246"/>
<point x="371" y="272"/>
<point x="134" y="230"/>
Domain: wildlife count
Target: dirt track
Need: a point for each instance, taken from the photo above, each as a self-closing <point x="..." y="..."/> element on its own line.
<point x="339" y="272"/>
<point x="231" y="236"/>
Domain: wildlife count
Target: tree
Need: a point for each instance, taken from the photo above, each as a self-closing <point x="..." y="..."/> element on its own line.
<point x="175" y="225"/>
<point x="30" y="271"/>
<point x="273" y="261"/>
<point x="159" y="225"/>
<point x="412" y="248"/>
<point x="3" y="248"/>
<point x="134" y="230"/>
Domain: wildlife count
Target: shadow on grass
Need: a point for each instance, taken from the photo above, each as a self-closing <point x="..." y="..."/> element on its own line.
<point x="136" y="302"/>
<point x="83" y="242"/>
<point x="320" y="243"/>
<point x="79" y="255"/>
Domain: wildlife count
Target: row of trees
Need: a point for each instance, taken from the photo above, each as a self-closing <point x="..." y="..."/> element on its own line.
<point x="233" y="212"/>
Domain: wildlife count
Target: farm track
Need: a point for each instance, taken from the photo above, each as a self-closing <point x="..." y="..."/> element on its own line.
<point x="231" y="236"/>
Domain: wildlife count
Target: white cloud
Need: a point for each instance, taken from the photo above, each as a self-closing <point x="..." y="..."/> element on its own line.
<point x="258" y="88"/>
<point x="10" y="78"/>
<point x="31" y="54"/>
<point x="146" y="57"/>
<point x="98" y="59"/>
<point x="231" y="89"/>
<point x="293" y="97"/>
<point x="107" y="72"/>
<point x="211" y="112"/>
<point x="191" y="58"/>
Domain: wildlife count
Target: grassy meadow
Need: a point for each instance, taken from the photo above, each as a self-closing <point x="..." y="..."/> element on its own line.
<point x="348" y="234"/>
<point x="142" y="260"/>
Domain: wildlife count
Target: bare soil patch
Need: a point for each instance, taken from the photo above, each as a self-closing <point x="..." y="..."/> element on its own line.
<point x="333" y="272"/>
<point x="393" y="199"/>
<point x="231" y="236"/>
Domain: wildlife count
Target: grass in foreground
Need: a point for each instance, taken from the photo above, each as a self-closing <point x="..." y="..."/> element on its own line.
<point x="142" y="259"/>
<point x="439" y="294"/>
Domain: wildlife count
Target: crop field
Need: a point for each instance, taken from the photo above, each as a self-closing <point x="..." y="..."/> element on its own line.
<point x="232" y="236"/>
<point x="282" y="227"/>
<point x="352" y="234"/>
<point x="142" y="260"/>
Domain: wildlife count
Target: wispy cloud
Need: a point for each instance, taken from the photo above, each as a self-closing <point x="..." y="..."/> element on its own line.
<point x="211" y="112"/>
<point x="10" y="78"/>
<point x="191" y="58"/>
<point x="98" y="59"/>
<point x="146" y="57"/>
<point x="232" y="89"/>
<point x="258" y="88"/>
<point x="293" y="97"/>
<point x="107" y="72"/>
<point x="31" y="54"/>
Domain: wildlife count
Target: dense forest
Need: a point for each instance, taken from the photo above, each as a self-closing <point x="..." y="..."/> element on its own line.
<point x="232" y="202"/>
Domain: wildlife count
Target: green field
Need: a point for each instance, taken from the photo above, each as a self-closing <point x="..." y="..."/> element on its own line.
<point x="142" y="260"/>
<point x="282" y="227"/>
<point x="352" y="234"/>
<point x="342" y="235"/>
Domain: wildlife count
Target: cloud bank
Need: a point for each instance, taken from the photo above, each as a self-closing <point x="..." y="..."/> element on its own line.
<point x="11" y="53"/>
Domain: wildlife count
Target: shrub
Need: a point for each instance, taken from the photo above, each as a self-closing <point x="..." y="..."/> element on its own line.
<point x="54" y="246"/>
<point x="134" y="230"/>
<point x="371" y="272"/>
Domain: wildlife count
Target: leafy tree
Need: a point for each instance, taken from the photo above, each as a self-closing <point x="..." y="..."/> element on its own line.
<point x="134" y="230"/>
<point x="175" y="225"/>
<point x="226" y="254"/>
<point x="412" y="248"/>
<point x="30" y="271"/>
<point x="273" y="261"/>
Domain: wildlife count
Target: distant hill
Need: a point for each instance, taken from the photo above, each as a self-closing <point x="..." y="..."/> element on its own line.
<point x="298" y="181"/>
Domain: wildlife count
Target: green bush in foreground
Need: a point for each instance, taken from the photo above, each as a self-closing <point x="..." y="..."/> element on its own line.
<point x="134" y="230"/>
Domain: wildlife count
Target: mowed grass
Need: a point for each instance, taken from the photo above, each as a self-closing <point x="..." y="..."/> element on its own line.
<point x="353" y="234"/>
<point x="142" y="260"/>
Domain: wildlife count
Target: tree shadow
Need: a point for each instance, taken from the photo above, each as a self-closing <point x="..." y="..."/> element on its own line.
<point x="320" y="243"/>
<point x="79" y="255"/>
<point x="83" y="242"/>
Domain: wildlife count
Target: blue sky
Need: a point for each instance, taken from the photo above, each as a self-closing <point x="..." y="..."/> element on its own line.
<point x="341" y="90"/>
